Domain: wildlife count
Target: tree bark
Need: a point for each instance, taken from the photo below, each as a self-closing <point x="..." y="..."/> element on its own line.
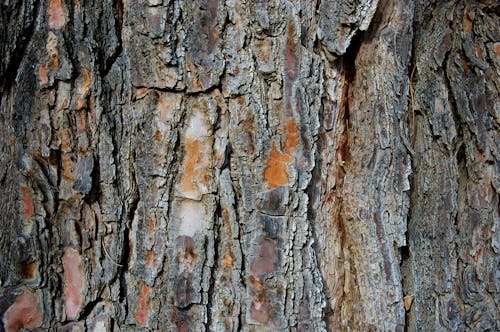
<point x="224" y="165"/>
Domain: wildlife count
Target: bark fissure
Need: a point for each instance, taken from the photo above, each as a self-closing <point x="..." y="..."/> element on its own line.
<point x="16" y="53"/>
<point x="231" y="165"/>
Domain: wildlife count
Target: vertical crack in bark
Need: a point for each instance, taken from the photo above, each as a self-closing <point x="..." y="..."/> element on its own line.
<point x="266" y="65"/>
<point x="8" y="75"/>
<point x="118" y="16"/>
<point x="213" y="269"/>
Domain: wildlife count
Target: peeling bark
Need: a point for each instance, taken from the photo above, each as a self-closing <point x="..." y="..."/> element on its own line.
<point x="264" y="165"/>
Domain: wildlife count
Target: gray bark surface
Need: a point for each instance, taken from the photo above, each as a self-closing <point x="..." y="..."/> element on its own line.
<point x="227" y="165"/>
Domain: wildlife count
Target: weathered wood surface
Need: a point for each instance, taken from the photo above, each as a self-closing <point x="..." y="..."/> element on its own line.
<point x="249" y="165"/>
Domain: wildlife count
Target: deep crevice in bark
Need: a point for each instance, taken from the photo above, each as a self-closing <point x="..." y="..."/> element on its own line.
<point x="7" y="79"/>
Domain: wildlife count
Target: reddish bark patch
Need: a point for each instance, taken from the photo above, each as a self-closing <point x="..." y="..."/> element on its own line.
<point x="141" y="313"/>
<point x="467" y="22"/>
<point x="291" y="63"/>
<point x="151" y="228"/>
<point x="154" y="21"/>
<point x="479" y="52"/>
<point x="266" y="260"/>
<point x="260" y="310"/>
<point x="465" y="66"/>
<point x="188" y="257"/>
<point x="181" y="320"/>
<point x="43" y="74"/>
<point x="29" y="208"/>
<point x="275" y="173"/>
<point x="57" y="14"/>
<point x="149" y="257"/>
<point x="27" y="270"/>
<point x="73" y="285"/>
<point x="213" y="34"/>
<point x="497" y="49"/>
<point x="227" y="221"/>
<point x="184" y="289"/>
<point x="292" y="137"/>
<point x="23" y="313"/>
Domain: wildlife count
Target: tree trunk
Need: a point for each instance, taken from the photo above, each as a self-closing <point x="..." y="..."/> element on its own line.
<point x="234" y="165"/>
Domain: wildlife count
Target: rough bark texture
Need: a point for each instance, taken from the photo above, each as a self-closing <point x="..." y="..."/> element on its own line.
<point x="235" y="165"/>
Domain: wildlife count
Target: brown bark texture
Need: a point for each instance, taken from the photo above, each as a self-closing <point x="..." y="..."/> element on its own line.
<point x="227" y="165"/>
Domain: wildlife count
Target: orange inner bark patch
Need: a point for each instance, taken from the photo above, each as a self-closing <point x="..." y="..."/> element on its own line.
<point x="84" y="87"/>
<point x="141" y="314"/>
<point x="292" y="137"/>
<point x="468" y="18"/>
<point x="43" y="74"/>
<point x="275" y="173"/>
<point x="81" y="116"/>
<point x="27" y="270"/>
<point x="23" y="313"/>
<point x="228" y="260"/>
<point x="195" y="165"/>
<point x="57" y="14"/>
<point x="73" y="285"/>
<point x="192" y="148"/>
<point x="29" y="208"/>
<point x="256" y="284"/>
